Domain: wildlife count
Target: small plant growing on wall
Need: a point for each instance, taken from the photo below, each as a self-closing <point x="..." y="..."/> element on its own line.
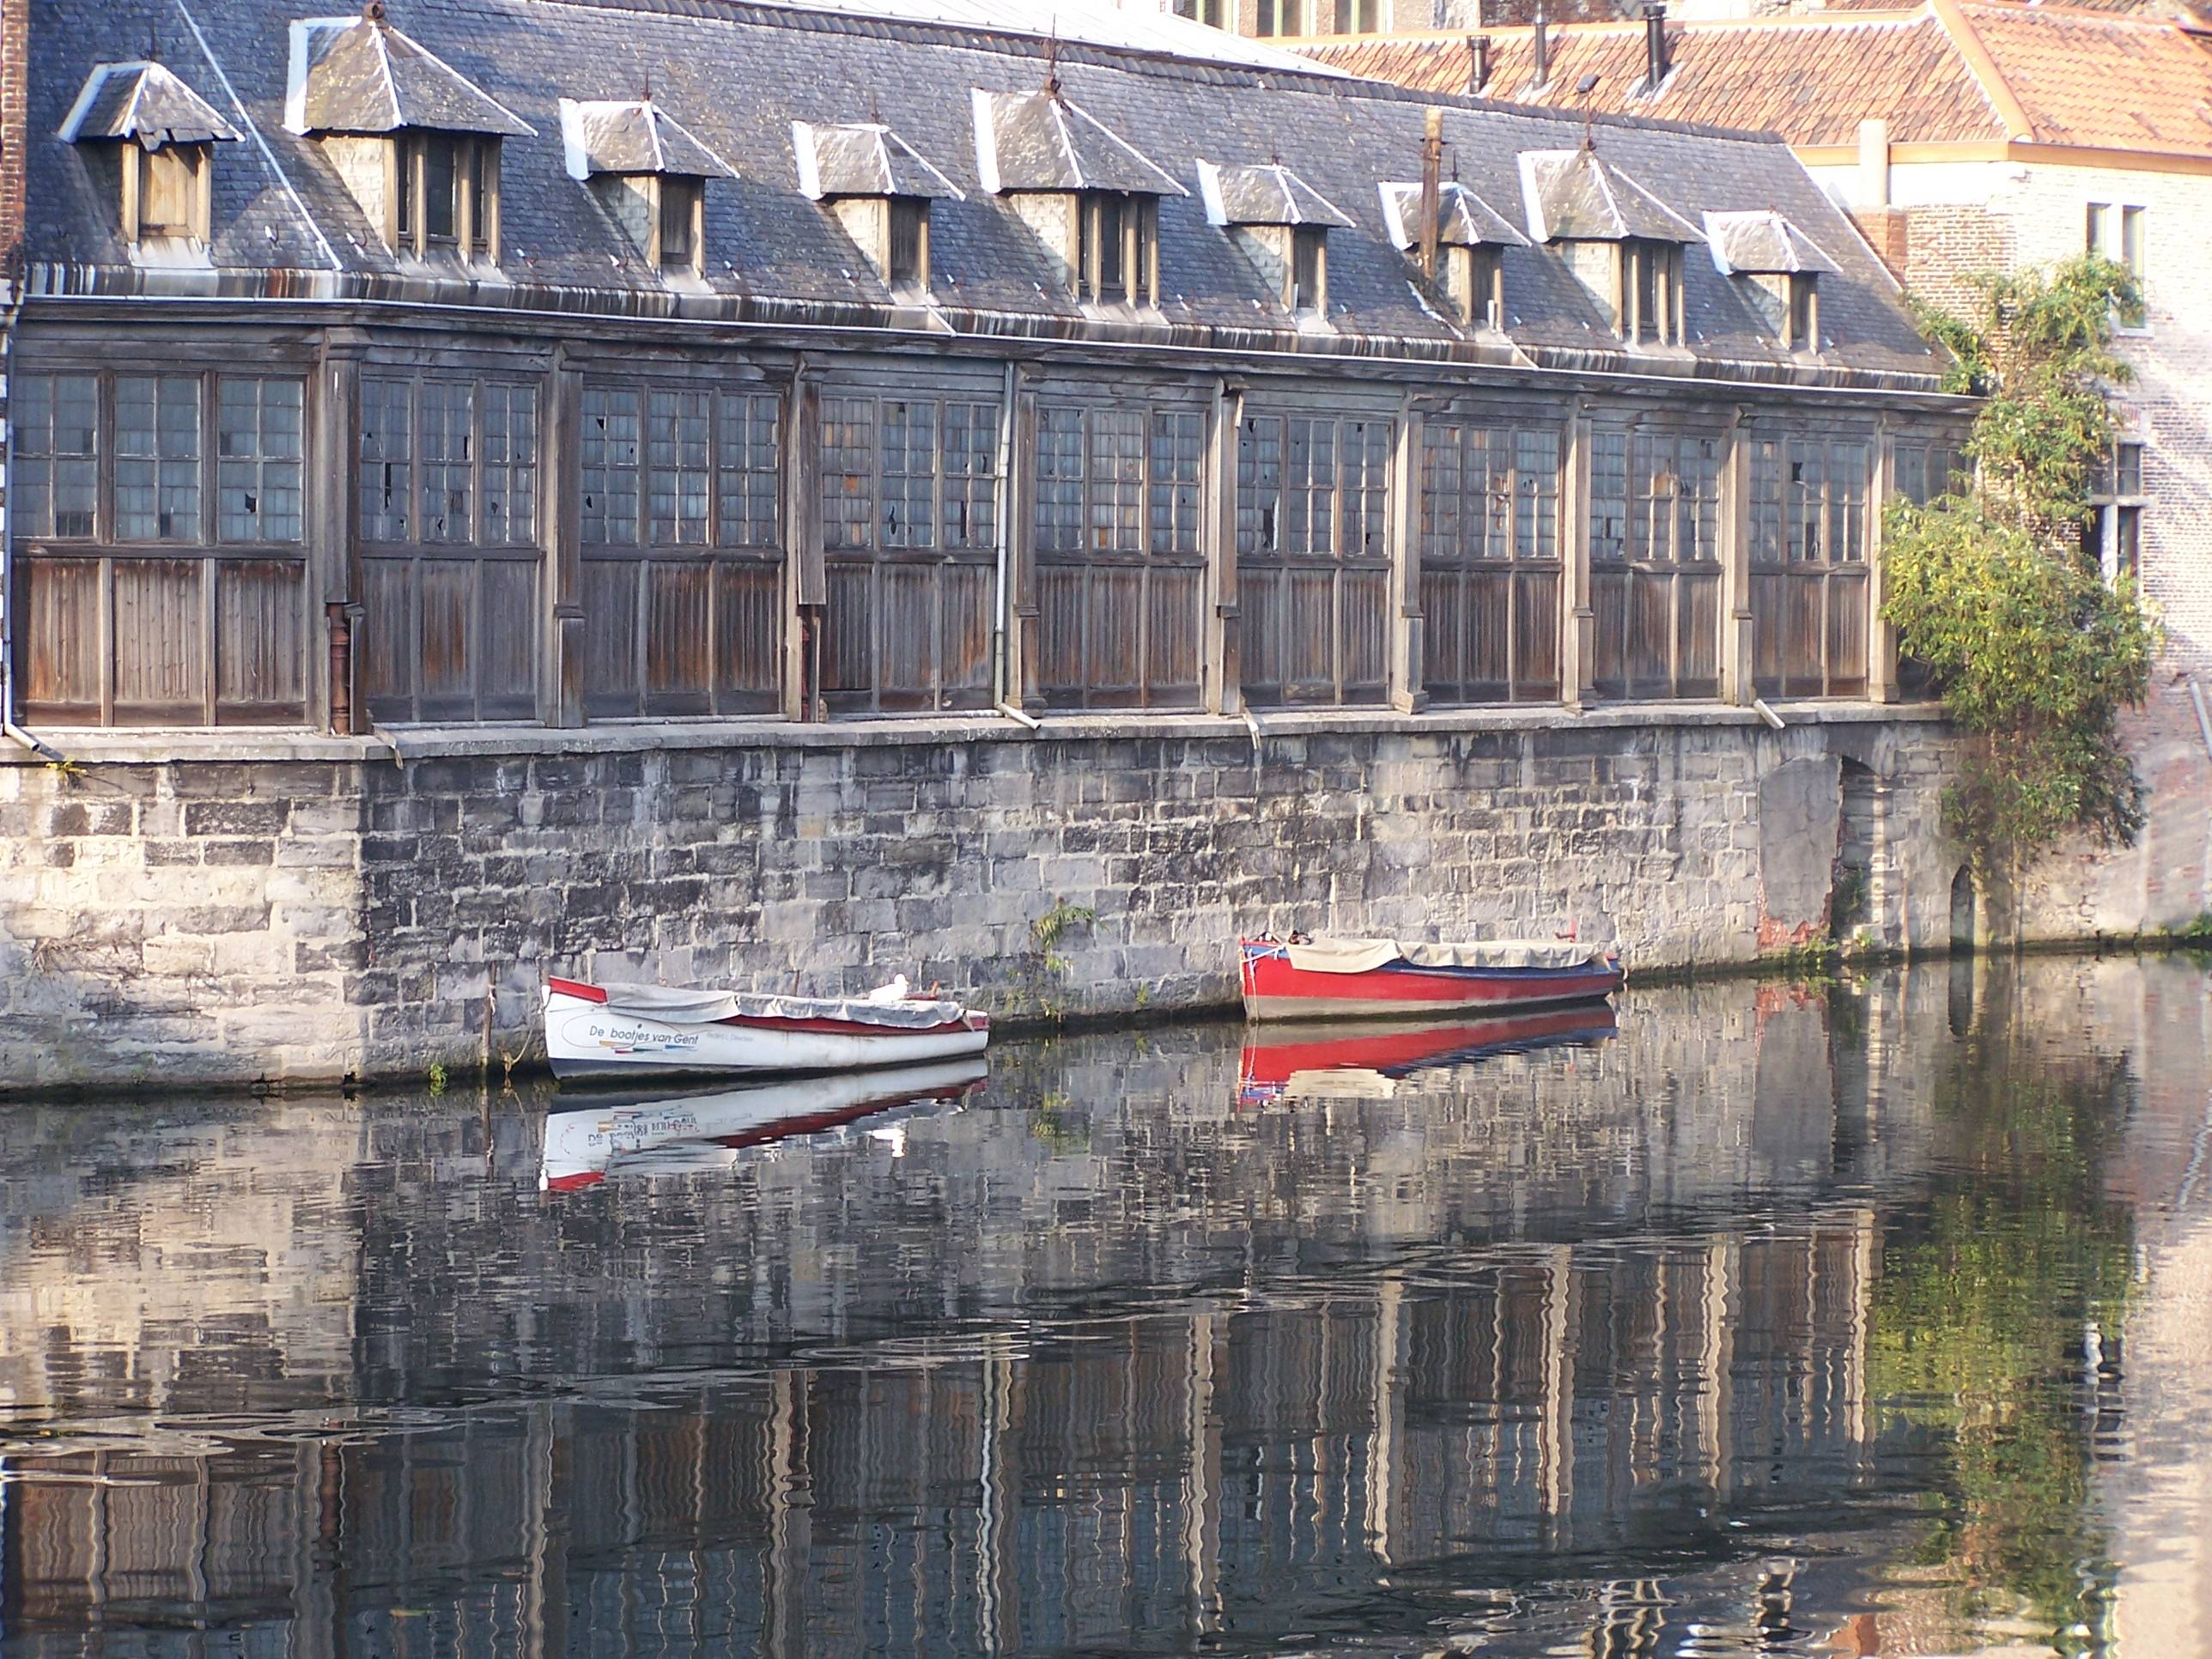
<point x="2034" y="652"/>
<point x="1043" y="989"/>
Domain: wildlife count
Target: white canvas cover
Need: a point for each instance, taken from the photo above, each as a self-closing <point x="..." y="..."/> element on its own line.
<point x="1363" y="956"/>
<point x="679" y="1006"/>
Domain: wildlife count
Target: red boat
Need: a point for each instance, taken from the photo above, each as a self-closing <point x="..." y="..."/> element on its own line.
<point x="1330" y="978"/>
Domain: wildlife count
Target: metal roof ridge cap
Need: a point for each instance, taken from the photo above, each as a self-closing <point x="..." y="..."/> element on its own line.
<point x="1985" y="68"/>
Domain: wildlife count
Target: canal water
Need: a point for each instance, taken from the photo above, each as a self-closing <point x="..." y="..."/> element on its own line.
<point x="1869" y="1316"/>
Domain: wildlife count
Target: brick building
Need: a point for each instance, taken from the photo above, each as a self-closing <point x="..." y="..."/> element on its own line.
<point x="1968" y="138"/>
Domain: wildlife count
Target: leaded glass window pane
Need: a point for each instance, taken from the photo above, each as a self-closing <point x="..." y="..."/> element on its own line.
<point x="609" y="459"/>
<point x="157" y="458"/>
<point x="258" y="458"/>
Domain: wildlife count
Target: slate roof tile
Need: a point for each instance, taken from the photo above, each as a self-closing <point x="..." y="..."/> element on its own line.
<point x="741" y="74"/>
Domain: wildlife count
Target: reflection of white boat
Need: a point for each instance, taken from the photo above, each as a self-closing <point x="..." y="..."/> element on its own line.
<point x="689" y="1131"/>
<point x="658" y="1028"/>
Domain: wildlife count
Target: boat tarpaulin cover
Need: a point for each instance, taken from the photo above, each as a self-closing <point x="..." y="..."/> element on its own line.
<point x="1364" y="956"/>
<point x="679" y="1007"/>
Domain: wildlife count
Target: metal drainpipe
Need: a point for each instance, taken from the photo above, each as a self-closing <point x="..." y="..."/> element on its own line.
<point x="11" y="308"/>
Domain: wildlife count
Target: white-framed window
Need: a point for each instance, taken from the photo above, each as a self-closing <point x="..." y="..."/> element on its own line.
<point x="2112" y="533"/>
<point x="2119" y="231"/>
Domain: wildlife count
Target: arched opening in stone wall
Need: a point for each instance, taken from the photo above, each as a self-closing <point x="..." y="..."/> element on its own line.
<point x="1852" y="899"/>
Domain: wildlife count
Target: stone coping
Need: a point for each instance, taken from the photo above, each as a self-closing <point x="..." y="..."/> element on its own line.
<point x="90" y="747"/>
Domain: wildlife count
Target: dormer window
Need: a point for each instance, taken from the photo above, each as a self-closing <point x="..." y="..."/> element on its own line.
<point x="907" y="263"/>
<point x="171" y="193"/>
<point x="1777" y="268"/>
<point x="1472" y="238"/>
<point x="1117" y="258"/>
<point x="447" y="195"/>
<point x="649" y="172"/>
<point x="163" y="135"/>
<point x="1089" y="196"/>
<point x="878" y="187"/>
<point x="1621" y="242"/>
<point x="1282" y="225"/>
<point x="1309" y="293"/>
<point x="1650" y="287"/>
<point x="415" y="142"/>
<point x="682" y="206"/>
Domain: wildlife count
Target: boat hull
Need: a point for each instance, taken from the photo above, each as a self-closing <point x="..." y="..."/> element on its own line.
<point x="1275" y="989"/>
<point x="583" y="1039"/>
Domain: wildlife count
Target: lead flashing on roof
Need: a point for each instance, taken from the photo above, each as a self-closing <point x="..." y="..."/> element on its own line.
<point x="1268" y="194"/>
<point x="359" y="75"/>
<point x="145" y="102"/>
<point x="1575" y="196"/>
<point x="633" y="137"/>
<point x="1038" y="141"/>
<point x="1763" y="243"/>
<point x="1464" y="218"/>
<point x="863" y="158"/>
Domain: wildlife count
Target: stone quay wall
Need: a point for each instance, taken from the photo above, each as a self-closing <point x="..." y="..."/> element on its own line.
<point x="296" y="908"/>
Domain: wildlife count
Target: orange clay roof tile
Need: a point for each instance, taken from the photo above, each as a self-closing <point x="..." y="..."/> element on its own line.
<point x="2083" y="77"/>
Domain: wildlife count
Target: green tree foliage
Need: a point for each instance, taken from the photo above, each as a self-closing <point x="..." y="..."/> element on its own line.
<point x="2035" y="655"/>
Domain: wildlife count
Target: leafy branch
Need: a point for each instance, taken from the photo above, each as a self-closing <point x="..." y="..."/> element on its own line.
<point x="2036" y="655"/>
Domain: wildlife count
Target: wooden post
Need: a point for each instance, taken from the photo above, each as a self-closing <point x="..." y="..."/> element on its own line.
<point x="1223" y="667"/>
<point x="1737" y="684"/>
<point x="1578" y="618"/>
<point x="1408" y="668"/>
<point x="561" y="691"/>
<point x="807" y="580"/>
<point x="1882" y="636"/>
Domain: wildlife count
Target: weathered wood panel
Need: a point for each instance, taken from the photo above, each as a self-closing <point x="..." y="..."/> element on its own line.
<point x="260" y="642"/>
<point x="1489" y="542"/>
<point x="59" y="611"/>
<point x="1655" y="553"/>
<point x="160" y="641"/>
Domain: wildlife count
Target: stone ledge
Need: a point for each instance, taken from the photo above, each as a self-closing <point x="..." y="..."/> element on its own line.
<point x="404" y="744"/>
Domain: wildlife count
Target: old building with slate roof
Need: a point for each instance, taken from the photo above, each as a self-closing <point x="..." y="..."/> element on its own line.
<point x="532" y="377"/>
<point x="1969" y="136"/>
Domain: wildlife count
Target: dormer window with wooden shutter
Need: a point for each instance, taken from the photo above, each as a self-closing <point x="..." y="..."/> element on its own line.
<point x="1091" y="198"/>
<point x="1472" y="238"/>
<point x="1281" y="224"/>
<point x="415" y="142"/>
<point x="878" y="187"/>
<point x="650" y="173"/>
<point x="1779" y="269"/>
<point x="1623" y="243"/>
<point x="163" y="135"/>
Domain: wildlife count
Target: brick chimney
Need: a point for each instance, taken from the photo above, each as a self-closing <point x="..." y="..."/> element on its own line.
<point x="15" y="128"/>
<point x="1882" y="225"/>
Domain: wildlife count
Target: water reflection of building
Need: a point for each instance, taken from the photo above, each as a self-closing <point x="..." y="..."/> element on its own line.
<point x="1033" y="1378"/>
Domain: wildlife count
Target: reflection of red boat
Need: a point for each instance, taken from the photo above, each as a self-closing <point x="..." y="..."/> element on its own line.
<point x="1330" y="1062"/>
<point x="1333" y="978"/>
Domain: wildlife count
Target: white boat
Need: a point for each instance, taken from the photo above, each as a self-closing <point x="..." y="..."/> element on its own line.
<point x="586" y="1142"/>
<point x="601" y="1028"/>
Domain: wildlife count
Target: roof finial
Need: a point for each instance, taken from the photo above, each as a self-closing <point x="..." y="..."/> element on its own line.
<point x="1586" y="86"/>
<point x="1052" y="57"/>
<point x="372" y="11"/>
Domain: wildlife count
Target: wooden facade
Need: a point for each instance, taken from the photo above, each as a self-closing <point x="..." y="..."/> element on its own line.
<point x="587" y="533"/>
